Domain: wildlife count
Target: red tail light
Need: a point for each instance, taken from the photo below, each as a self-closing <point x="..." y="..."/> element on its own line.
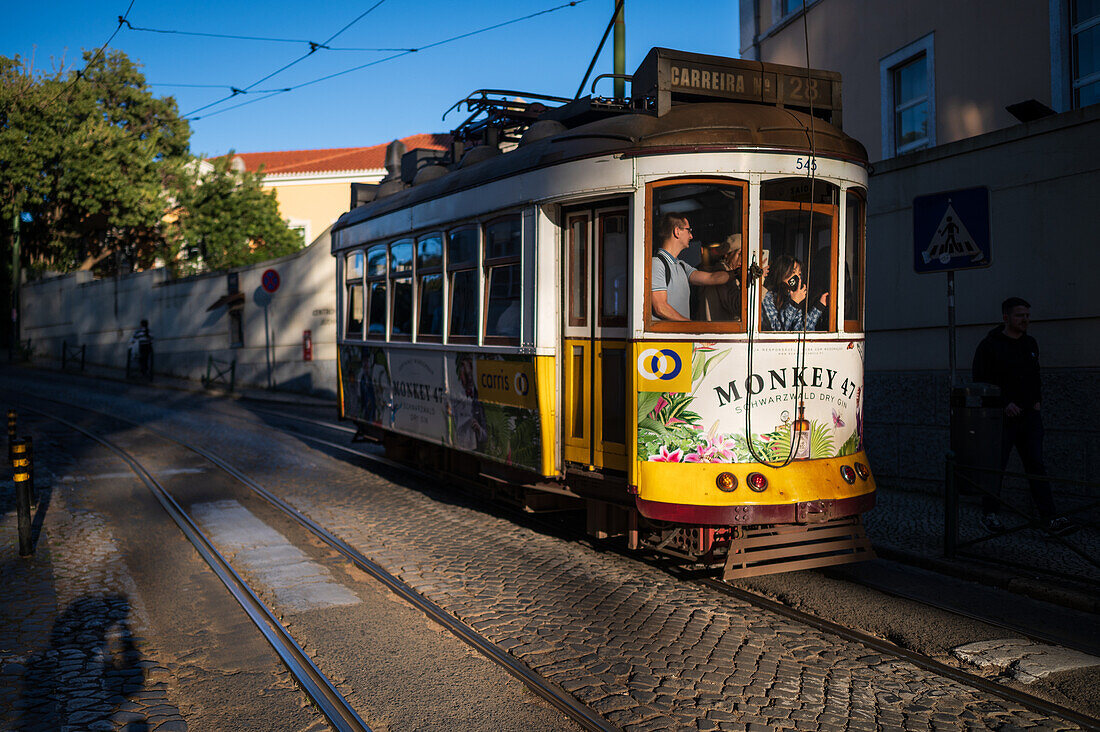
<point x="757" y="482"/>
<point x="848" y="474"/>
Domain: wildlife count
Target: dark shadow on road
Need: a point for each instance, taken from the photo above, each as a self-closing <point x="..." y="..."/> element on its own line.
<point x="90" y="667"/>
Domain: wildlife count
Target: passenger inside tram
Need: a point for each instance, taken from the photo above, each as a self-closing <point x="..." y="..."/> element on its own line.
<point x="696" y="267"/>
<point x="785" y="306"/>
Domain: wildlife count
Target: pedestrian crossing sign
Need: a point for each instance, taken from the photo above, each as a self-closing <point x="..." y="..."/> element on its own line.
<point x="951" y="231"/>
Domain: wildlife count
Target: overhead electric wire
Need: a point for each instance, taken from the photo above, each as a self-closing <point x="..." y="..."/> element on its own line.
<point x="281" y="69"/>
<point x="801" y="345"/>
<point x="311" y="82"/>
<point x="264" y="39"/>
<point x="95" y="57"/>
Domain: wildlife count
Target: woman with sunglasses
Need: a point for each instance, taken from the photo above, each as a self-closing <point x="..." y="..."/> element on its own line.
<point x="783" y="303"/>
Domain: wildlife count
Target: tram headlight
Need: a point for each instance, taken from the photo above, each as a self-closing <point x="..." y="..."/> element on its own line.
<point x="863" y="471"/>
<point x="757" y="482"/>
<point x="848" y="474"/>
<point x="726" y="482"/>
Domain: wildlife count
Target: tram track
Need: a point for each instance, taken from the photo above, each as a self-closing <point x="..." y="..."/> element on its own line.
<point x="317" y="686"/>
<point x="880" y="645"/>
<point x="313" y="681"/>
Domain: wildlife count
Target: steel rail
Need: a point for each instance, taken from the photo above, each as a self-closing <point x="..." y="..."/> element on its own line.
<point x="920" y="660"/>
<point x="557" y="697"/>
<point x="316" y="685"/>
<point x="926" y="662"/>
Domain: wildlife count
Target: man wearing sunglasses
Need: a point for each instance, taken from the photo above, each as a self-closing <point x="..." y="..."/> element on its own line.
<point x="671" y="278"/>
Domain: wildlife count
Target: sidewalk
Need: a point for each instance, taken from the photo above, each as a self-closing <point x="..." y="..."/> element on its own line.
<point x="905" y="526"/>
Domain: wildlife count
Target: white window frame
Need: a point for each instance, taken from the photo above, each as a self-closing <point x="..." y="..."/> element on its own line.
<point x="1075" y="82"/>
<point x="886" y="66"/>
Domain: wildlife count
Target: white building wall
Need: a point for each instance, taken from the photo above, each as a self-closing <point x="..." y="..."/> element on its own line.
<point x="102" y="315"/>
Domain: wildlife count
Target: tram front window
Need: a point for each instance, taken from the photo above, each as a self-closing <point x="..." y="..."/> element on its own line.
<point x="799" y="247"/>
<point x="697" y="265"/>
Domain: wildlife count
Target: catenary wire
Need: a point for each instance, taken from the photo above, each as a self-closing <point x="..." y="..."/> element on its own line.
<point x="235" y="92"/>
<point x="452" y="39"/>
<point x="264" y="39"/>
<point x="95" y="57"/>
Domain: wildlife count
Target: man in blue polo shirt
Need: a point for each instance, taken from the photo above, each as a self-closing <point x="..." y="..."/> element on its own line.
<point x="672" y="277"/>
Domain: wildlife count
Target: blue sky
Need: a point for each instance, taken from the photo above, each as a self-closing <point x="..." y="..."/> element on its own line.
<point x="403" y="96"/>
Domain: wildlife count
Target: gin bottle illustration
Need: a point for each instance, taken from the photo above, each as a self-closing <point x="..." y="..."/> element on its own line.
<point x="800" y="435"/>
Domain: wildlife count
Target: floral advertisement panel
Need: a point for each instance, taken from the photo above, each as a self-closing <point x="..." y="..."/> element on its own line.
<point x="733" y="416"/>
<point x="492" y="410"/>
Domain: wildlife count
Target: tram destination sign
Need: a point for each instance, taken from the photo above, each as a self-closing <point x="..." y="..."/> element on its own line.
<point x="666" y="72"/>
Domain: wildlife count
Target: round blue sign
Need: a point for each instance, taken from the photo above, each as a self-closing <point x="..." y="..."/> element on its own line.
<point x="270" y="281"/>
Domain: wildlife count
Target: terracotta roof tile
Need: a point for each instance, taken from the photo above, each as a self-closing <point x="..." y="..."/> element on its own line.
<point x="335" y="159"/>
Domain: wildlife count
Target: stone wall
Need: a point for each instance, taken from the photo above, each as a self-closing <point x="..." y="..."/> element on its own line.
<point x="101" y="315"/>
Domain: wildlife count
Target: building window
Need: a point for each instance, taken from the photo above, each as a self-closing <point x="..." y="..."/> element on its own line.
<point x="1085" y="51"/>
<point x="236" y="327"/>
<point x="907" y="77"/>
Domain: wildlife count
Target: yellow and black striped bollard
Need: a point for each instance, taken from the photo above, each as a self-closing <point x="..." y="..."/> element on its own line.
<point x="21" y="461"/>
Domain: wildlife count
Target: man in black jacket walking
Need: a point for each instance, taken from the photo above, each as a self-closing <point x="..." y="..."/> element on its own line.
<point x="1009" y="358"/>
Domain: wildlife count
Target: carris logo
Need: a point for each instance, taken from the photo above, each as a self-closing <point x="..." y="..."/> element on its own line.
<point x="664" y="364"/>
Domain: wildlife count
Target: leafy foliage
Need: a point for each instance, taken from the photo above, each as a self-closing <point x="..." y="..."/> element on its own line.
<point x="225" y="219"/>
<point x="89" y="158"/>
<point x="100" y="173"/>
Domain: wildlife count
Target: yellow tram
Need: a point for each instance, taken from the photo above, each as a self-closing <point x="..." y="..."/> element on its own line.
<point x="505" y="310"/>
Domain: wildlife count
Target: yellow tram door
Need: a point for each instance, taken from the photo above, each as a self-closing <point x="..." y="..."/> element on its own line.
<point x="595" y="251"/>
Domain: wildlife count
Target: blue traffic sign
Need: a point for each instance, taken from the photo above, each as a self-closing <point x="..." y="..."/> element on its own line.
<point x="951" y="231"/>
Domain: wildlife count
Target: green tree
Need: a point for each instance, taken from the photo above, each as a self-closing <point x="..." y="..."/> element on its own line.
<point x="225" y="219"/>
<point x="101" y="171"/>
<point x="90" y="158"/>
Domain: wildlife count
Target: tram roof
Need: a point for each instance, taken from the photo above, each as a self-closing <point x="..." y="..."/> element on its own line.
<point x="694" y="127"/>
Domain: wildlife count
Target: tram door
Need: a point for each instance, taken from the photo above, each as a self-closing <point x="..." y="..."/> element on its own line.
<point x="595" y="261"/>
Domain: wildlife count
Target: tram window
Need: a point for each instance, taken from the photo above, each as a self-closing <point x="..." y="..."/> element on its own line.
<point x="799" y="288"/>
<point x="502" y="278"/>
<point x="353" y="278"/>
<point x="401" y="267"/>
<point x="578" y="271"/>
<point x="376" y="261"/>
<point x="376" y="291"/>
<point x="697" y="269"/>
<point x="462" y="251"/>
<point x="429" y="263"/>
<point x="613" y="270"/>
<point x="855" y="212"/>
<point x="376" y="307"/>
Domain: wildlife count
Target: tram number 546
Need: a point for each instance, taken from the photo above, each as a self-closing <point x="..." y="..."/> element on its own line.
<point x="805" y="164"/>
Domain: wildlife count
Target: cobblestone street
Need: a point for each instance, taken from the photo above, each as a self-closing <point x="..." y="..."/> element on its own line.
<point x="642" y="648"/>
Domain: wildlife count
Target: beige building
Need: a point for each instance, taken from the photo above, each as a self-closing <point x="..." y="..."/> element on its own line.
<point x="312" y="186"/>
<point x="958" y="95"/>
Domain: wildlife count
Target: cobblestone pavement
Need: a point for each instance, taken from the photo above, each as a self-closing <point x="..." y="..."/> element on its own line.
<point x="90" y="640"/>
<point x="645" y="650"/>
<point x="86" y="660"/>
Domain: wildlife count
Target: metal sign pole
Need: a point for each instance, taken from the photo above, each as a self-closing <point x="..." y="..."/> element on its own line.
<point x="951" y="327"/>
